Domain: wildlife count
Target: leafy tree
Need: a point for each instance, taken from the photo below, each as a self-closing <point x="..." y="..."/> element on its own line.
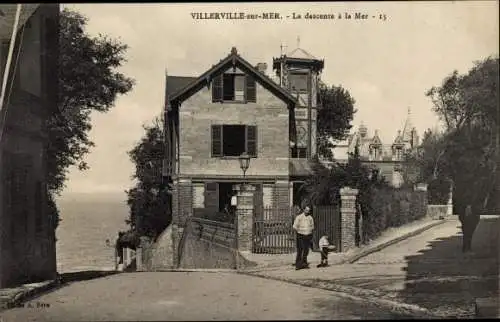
<point x="88" y="81"/>
<point x="334" y="117"/>
<point x="468" y="151"/>
<point x="149" y="199"/>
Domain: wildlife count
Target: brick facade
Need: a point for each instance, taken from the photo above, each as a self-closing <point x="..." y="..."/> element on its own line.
<point x="182" y="209"/>
<point x="348" y="218"/>
<point x="269" y="114"/>
<point x="245" y="217"/>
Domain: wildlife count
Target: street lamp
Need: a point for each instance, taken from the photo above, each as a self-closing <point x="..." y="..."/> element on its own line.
<point x="244" y="159"/>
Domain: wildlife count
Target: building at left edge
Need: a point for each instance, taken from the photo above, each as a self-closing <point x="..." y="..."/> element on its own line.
<point x="27" y="236"/>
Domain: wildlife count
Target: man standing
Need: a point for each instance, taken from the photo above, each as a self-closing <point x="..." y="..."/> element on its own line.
<point x="303" y="225"/>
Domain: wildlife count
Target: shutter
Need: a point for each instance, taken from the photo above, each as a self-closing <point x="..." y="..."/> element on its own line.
<point x="251" y="140"/>
<point x="212" y="196"/>
<point x="258" y="201"/>
<point x="216" y="140"/>
<point x="251" y="95"/>
<point x="217" y="89"/>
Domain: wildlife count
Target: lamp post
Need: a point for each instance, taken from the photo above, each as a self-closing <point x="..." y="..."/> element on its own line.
<point x="244" y="159"/>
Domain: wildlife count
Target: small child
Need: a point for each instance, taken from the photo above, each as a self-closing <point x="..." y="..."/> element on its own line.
<point x="325" y="248"/>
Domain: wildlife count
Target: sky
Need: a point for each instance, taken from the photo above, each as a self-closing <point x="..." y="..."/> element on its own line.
<point x="387" y="66"/>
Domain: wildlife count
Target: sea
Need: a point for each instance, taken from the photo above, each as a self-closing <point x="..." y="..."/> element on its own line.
<point x="87" y="221"/>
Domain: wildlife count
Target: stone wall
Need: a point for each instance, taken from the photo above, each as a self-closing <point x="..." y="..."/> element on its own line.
<point x="437" y="211"/>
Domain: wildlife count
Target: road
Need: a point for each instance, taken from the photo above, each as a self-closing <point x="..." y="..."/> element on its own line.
<point x="189" y="296"/>
<point x="428" y="270"/>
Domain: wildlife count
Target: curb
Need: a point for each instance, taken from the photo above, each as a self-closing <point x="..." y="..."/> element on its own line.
<point x="375" y="249"/>
<point x="27" y="293"/>
<point x="193" y="270"/>
<point x="360" y="295"/>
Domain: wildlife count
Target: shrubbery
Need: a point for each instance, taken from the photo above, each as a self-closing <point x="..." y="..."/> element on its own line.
<point x="381" y="205"/>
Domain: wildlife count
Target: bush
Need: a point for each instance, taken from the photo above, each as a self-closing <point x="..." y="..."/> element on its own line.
<point x="389" y="207"/>
<point x="439" y="190"/>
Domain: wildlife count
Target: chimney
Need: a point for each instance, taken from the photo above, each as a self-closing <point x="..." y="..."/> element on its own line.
<point x="261" y="67"/>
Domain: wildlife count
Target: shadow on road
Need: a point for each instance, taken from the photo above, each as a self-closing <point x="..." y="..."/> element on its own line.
<point x="444" y="278"/>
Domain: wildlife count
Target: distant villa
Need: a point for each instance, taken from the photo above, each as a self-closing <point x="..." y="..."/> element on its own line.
<point x="386" y="157"/>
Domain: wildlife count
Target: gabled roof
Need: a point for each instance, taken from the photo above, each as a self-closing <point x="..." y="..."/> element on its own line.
<point x="232" y="60"/>
<point x="376" y="140"/>
<point x="399" y="139"/>
<point x="177" y="83"/>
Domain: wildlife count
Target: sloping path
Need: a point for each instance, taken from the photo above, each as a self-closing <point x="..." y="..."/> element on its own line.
<point x="427" y="270"/>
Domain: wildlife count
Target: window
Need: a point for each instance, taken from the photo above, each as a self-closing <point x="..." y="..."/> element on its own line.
<point x="233" y="140"/>
<point x="234" y="88"/>
<point x="399" y="153"/>
<point x="375" y="153"/>
<point x="298" y="82"/>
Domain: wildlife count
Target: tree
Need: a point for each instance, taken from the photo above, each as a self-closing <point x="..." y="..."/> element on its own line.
<point x="334" y="117"/>
<point x="88" y="81"/>
<point x="149" y="199"/>
<point x="468" y="152"/>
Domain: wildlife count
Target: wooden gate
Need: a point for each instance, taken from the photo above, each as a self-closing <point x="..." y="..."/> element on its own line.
<point x="327" y="222"/>
<point x="273" y="232"/>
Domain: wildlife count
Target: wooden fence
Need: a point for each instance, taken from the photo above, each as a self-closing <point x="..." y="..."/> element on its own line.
<point x="273" y="232"/>
<point x="327" y="222"/>
<point x="273" y="229"/>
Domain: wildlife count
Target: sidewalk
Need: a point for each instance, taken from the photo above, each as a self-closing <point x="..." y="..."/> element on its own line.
<point x="388" y="237"/>
<point x="426" y="274"/>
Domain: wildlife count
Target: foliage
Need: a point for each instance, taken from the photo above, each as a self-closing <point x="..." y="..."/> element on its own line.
<point x="88" y="81"/>
<point x="149" y="199"/>
<point x="334" y="117"/>
<point x="468" y="150"/>
<point x="323" y="186"/>
<point x="381" y="205"/>
<point x="439" y="190"/>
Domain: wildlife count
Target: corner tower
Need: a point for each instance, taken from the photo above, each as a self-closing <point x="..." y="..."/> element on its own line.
<point x="299" y="72"/>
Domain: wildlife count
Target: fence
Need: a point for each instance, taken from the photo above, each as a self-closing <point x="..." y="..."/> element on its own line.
<point x="327" y="222"/>
<point x="273" y="229"/>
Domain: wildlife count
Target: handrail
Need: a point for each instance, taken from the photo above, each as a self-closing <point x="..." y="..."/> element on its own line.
<point x="212" y="222"/>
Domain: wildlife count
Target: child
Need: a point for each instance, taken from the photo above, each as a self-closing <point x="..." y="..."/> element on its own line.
<point x="325" y="248"/>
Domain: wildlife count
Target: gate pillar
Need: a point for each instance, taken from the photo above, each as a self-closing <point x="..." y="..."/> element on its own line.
<point x="348" y="218"/>
<point x="244" y="214"/>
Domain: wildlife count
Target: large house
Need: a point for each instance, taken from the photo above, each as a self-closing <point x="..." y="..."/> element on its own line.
<point x="232" y="108"/>
<point x="28" y="71"/>
<point x="387" y="158"/>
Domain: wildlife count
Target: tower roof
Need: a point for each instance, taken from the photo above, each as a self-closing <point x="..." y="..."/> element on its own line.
<point x="406" y="136"/>
<point x="300" y="53"/>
